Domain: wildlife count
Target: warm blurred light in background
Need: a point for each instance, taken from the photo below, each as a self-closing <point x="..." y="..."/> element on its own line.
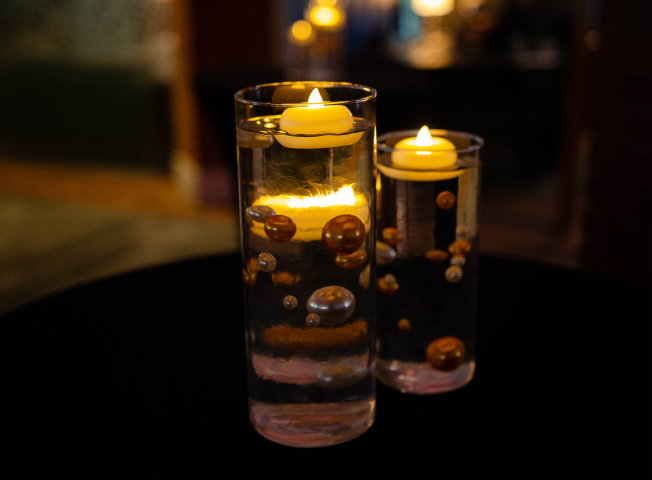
<point x="301" y="33"/>
<point x="316" y="46"/>
<point x="432" y="8"/>
<point x="325" y="16"/>
<point x="127" y="106"/>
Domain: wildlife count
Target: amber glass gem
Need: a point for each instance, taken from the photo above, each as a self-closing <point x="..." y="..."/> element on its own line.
<point x="436" y="255"/>
<point x="280" y="228"/>
<point x="392" y="236"/>
<point x="445" y="354"/>
<point x="351" y="261"/>
<point x="459" y="247"/>
<point x="364" y="277"/>
<point x="245" y="277"/>
<point x="446" y="200"/>
<point x="252" y="265"/>
<point x="252" y="270"/>
<point x="300" y="339"/>
<point x="454" y="274"/>
<point x="388" y="285"/>
<point x="458" y="260"/>
<point x="285" y="278"/>
<point x="404" y="325"/>
<point x="343" y="234"/>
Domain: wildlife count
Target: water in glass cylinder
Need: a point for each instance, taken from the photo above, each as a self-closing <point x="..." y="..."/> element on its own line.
<point x="427" y="305"/>
<point x="308" y="228"/>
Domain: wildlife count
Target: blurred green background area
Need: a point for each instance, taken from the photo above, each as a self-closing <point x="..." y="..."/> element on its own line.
<point x="57" y="109"/>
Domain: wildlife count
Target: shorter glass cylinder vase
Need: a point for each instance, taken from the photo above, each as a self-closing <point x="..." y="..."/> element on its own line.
<point x="427" y="259"/>
<point x="307" y="217"/>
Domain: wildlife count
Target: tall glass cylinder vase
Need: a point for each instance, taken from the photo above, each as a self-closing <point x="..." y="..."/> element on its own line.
<point x="427" y="254"/>
<point x="307" y="218"/>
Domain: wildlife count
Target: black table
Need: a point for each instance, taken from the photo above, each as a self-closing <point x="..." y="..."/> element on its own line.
<point x="143" y="376"/>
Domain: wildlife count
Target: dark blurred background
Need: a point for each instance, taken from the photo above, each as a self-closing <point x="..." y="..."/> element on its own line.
<point x="117" y="146"/>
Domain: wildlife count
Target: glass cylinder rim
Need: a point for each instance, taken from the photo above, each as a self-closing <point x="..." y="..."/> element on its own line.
<point x="438" y="132"/>
<point x="239" y="95"/>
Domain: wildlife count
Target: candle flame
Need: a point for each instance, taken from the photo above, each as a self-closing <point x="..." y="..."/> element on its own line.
<point x="424" y="139"/>
<point x="315" y="97"/>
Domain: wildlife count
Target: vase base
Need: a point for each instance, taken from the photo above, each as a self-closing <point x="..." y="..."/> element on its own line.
<point x="312" y="424"/>
<point x="421" y="378"/>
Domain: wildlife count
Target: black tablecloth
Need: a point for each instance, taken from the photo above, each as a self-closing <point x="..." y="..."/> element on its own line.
<point x="143" y="376"/>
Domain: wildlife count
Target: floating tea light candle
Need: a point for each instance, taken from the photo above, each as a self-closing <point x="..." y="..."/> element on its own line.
<point x="325" y="123"/>
<point x="310" y="213"/>
<point x="422" y="158"/>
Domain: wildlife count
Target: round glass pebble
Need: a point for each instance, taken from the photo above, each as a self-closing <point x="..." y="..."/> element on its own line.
<point x="392" y="236"/>
<point x="436" y="255"/>
<point x="266" y="262"/>
<point x="454" y="274"/>
<point x="384" y="253"/>
<point x="343" y="235"/>
<point x="459" y="247"/>
<point x="364" y="277"/>
<point x="352" y="260"/>
<point x="388" y="284"/>
<point x="404" y="325"/>
<point x="259" y="213"/>
<point x="458" y="260"/>
<point x="290" y="302"/>
<point x="280" y="228"/>
<point x="333" y="304"/>
<point x="445" y="354"/>
<point x="312" y="320"/>
<point x="446" y="200"/>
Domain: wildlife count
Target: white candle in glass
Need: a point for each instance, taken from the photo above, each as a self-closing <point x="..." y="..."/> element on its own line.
<point x="326" y="122"/>
<point x="422" y="158"/>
